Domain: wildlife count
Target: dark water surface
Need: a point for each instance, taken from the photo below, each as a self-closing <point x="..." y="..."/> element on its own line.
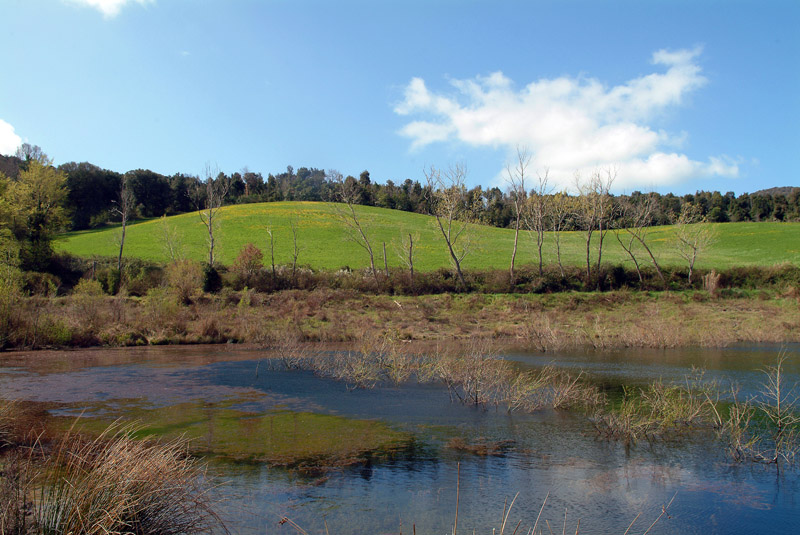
<point x="551" y="455"/>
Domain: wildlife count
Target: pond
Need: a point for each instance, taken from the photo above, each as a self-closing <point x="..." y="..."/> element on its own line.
<point x="403" y="451"/>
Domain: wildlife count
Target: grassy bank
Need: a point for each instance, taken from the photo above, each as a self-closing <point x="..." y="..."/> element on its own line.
<point x="546" y="322"/>
<point x="324" y="243"/>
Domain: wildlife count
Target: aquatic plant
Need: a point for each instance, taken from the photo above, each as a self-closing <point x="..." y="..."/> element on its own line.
<point x="659" y="409"/>
<point x="763" y="428"/>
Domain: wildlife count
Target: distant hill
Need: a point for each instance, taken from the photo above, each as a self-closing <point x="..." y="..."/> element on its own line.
<point x="771" y="192"/>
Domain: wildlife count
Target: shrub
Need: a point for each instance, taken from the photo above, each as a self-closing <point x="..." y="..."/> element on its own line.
<point x="43" y="284"/>
<point x="10" y="296"/>
<point x="212" y="281"/>
<point x="141" y="277"/>
<point x="711" y="282"/>
<point x="248" y="264"/>
<point x="161" y="307"/>
<point x="88" y="297"/>
<point x="110" y="279"/>
<point x="185" y="278"/>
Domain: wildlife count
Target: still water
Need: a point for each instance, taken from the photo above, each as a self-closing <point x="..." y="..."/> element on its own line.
<point x="550" y="457"/>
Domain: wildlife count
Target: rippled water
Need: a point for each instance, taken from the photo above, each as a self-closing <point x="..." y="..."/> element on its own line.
<point x="553" y="456"/>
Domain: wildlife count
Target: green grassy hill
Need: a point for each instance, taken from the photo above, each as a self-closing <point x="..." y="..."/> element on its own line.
<point x="324" y="243"/>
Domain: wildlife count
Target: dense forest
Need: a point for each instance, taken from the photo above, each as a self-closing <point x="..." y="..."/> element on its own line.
<point x="91" y="194"/>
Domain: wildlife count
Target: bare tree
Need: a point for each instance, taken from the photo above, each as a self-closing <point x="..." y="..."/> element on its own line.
<point x="385" y="261"/>
<point x="347" y="193"/>
<point x="452" y="211"/>
<point x="692" y="235"/>
<point x="596" y="209"/>
<point x="602" y="183"/>
<point x="295" y="247"/>
<point x="515" y="178"/>
<point x="123" y="207"/>
<point x="170" y="240"/>
<point x="208" y="196"/>
<point x="636" y="217"/>
<point x="536" y="210"/>
<point x="562" y="207"/>
<point x="268" y="229"/>
<point x="405" y="251"/>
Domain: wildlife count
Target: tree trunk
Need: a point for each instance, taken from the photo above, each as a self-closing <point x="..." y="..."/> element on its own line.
<point x="121" y="245"/>
<point x="453" y="255"/>
<point x="514" y="251"/>
<point x="385" y="263"/>
<point x="558" y="254"/>
<point x="411" y="257"/>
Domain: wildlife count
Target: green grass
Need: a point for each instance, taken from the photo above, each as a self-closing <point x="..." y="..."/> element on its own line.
<point x="324" y="243"/>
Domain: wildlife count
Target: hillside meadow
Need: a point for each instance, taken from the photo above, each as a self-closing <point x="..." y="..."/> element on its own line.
<point x="324" y="243"/>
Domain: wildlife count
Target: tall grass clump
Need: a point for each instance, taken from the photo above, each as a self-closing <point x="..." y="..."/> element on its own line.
<point x="110" y="485"/>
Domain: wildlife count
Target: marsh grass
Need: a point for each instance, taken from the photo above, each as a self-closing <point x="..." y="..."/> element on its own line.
<point x="111" y="484"/>
<point x="472" y="371"/>
<point x="544" y="322"/>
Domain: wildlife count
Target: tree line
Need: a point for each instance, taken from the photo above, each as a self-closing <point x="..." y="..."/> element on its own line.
<point x="91" y="194"/>
<point x="38" y="199"/>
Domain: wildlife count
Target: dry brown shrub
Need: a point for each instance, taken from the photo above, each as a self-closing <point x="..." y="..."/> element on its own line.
<point x="88" y="300"/>
<point x="208" y="328"/>
<point x="248" y="263"/>
<point x="185" y="278"/>
<point x="711" y="282"/>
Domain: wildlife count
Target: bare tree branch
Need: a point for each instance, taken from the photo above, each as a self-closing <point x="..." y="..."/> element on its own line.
<point x="452" y="211"/>
<point x="515" y="178"/>
<point x="209" y="196"/>
<point x="347" y="194"/>
<point x="123" y="207"/>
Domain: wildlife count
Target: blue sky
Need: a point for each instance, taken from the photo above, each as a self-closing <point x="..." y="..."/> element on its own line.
<point x="675" y="95"/>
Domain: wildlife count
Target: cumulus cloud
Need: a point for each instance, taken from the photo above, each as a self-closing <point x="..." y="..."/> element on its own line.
<point x="571" y="124"/>
<point x="109" y="8"/>
<point x="9" y="140"/>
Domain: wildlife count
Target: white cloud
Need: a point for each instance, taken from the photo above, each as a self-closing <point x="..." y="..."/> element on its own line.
<point x="571" y="124"/>
<point x="9" y="140"/>
<point x="109" y="8"/>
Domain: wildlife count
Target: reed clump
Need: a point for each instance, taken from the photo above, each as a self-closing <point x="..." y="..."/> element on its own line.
<point x="110" y="485"/>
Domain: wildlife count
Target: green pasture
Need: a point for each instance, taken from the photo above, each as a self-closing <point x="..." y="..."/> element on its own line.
<point x="324" y="240"/>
